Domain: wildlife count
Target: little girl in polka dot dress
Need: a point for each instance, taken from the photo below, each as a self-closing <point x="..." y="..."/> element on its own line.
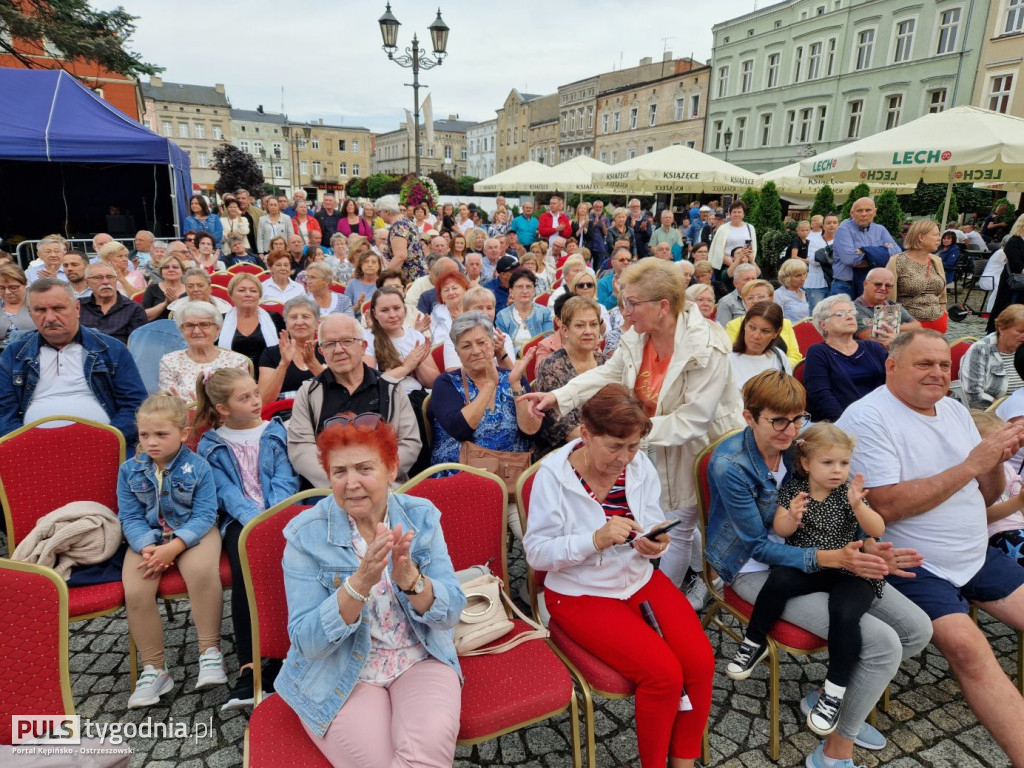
<point x="819" y="507"/>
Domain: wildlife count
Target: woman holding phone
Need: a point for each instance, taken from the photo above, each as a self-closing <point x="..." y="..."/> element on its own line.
<point x="595" y="529"/>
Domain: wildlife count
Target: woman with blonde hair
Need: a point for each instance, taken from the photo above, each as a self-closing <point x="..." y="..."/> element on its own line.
<point x="248" y="328"/>
<point x="791" y="296"/>
<point x="129" y="281"/>
<point x="920" y="284"/>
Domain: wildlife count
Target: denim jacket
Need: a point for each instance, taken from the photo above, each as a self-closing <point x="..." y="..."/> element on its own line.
<point x="109" y="369"/>
<point x="188" y="499"/>
<point x="326" y="654"/>
<point x="278" y="480"/>
<point x="539" y="321"/>
<point x="743" y="503"/>
<point x="982" y="372"/>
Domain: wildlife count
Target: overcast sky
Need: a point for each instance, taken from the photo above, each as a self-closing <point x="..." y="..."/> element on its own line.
<point x="327" y="55"/>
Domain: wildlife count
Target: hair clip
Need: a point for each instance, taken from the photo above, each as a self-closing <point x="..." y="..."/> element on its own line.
<point x="207" y="373"/>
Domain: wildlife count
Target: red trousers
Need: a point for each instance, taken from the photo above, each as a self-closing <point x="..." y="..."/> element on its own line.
<point x="940" y="324"/>
<point x="615" y="632"/>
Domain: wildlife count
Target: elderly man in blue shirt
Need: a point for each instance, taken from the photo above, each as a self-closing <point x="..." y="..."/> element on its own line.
<point x="855" y="238"/>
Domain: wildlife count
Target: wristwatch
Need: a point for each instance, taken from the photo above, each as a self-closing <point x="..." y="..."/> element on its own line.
<point x="417" y="587"/>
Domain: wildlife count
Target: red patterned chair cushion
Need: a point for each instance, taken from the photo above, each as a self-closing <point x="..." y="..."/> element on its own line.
<point x="510" y="688"/>
<point x="278" y="740"/>
<point x="172" y="583"/>
<point x="598" y="675"/>
<point x="95" y="598"/>
<point x="783" y="632"/>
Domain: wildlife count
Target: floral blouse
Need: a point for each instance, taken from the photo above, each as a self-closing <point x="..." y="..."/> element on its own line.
<point x="415" y="261"/>
<point x="178" y="370"/>
<point x="556" y="371"/>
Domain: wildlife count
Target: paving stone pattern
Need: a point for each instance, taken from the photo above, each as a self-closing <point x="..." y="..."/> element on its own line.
<point x="928" y="724"/>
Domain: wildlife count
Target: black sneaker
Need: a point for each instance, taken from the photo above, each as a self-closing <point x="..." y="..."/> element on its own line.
<point x="242" y="695"/>
<point x="270" y="669"/>
<point x="747" y="657"/>
<point x="824" y="717"/>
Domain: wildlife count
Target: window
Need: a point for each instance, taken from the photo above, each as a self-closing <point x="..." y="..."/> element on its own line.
<point x="183" y="130"/>
<point x="830" y="58"/>
<point x="316" y="143"/>
<point x="790" y="125"/>
<point x="716" y="132"/>
<point x="822" y="113"/>
<point x="999" y="92"/>
<point x="814" y="61"/>
<point x="804" y="131"/>
<point x="614" y="158"/>
<point x="652" y="114"/>
<point x="355" y="169"/>
<point x="430" y="151"/>
<point x="723" y="81"/>
<point x="649" y="149"/>
<point x="508" y="135"/>
<point x="218" y="132"/>
<point x="572" y="122"/>
<point x="301" y="142"/>
<point x="447" y="152"/>
<point x="773" y="71"/>
<point x="937" y="100"/>
<point x="342" y="144"/>
<point x="200" y="132"/>
<point x="604" y="123"/>
<point x="257" y="147"/>
<point x="317" y="168"/>
<point x="462" y="154"/>
<point x="615" y="120"/>
<point x="343" y="169"/>
<point x="1014" y="17"/>
<point x="202" y="160"/>
<point x="680" y="109"/>
<point x="277" y="149"/>
<point x="904" y="41"/>
<point x="243" y="145"/>
<point x="741" y="131"/>
<point x="630" y="154"/>
<point x="604" y="157"/>
<point x="798" y="63"/>
<point x="633" y="118"/>
<point x="515" y="135"/>
<point x="746" y="76"/>
<point x="278" y="171"/>
<point x="865" y="42"/>
<point x="766" y="129"/>
<point x="167" y="128"/>
<point x="893" y="107"/>
<point x="691" y="143"/>
<point x="565" y="122"/>
<point x="303" y="166"/>
<point x="590" y="117"/>
<point x="355" y="145"/>
<point x="694" y="105"/>
<point x="949" y="25"/>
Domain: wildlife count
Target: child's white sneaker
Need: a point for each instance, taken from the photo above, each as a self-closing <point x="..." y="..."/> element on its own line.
<point x="151" y="685"/>
<point x="211" y="669"/>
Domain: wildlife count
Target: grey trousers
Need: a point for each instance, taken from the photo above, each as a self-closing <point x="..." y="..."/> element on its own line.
<point x="893" y="629"/>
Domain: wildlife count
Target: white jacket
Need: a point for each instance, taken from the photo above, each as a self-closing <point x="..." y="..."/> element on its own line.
<point x="699" y="399"/>
<point x="559" y="535"/>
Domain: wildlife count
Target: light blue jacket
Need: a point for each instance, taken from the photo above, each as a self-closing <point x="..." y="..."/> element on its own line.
<point x="743" y="502"/>
<point x="326" y="655"/>
<point x="278" y="480"/>
<point x="212" y="225"/>
<point x="540" y="321"/>
<point x="188" y="499"/>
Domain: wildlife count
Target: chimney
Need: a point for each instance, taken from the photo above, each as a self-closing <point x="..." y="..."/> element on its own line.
<point x="666" y="56"/>
<point x="156" y="82"/>
<point x="453" y="117"/>
<point x="259" y="109"/>
<point x="320" y="121"/>
<point x="219" y="87"/>
<point x="645" y="61"/>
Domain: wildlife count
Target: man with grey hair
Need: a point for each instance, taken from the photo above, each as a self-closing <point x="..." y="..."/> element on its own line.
<point x="347" y="386"/>
<point x="667" y="232"/>
<point x="438" y="247"/>
<point x="854" y="238"/>
<point x="971" y="236"/>
<point x="492" y="254"/>
<point x="63" y="368"/>
<point x="100" y="239"/>
<point x="50" y="250"/>
<point x="142" y="255"/>
<point x="297" y="196"/>
<point x="877" y="286"/>
<point x="107" y="310"/>
<point x="731" y="305"/>
<point x="474" y="268"/>
<point x="637" y="221"/>
<point x="329" y="216"/>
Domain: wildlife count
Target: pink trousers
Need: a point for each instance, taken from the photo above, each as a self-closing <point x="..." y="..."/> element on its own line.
<point x="412" y="722"/>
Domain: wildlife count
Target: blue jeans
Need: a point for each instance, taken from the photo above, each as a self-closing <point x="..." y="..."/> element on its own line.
<point x="814" y="295"/>
<point x="841" y="286"/>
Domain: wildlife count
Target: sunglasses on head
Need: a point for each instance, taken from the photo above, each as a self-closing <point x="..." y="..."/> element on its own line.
<point x="363" y="420"/>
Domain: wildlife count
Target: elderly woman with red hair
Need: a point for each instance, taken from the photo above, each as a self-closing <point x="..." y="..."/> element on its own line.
<point x="372" y="597"/>
<point x="451" y="287"/>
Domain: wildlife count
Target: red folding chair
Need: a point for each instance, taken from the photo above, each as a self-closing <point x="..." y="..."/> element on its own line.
<point x="221" y="293"/>
<point x="252" y="269"/>
<point x="798" y="371"/>
<point x="474" y="509"/>
<point x="270" y="410"/>
<point x="806" y="334"/>
<point x="273" y="306"/>
<point x="138" y="297"/>
<point x="275" y="736"/>
<point x="221" y="278"/>
<point x="437" y="354"/>
<point x="337" y="287"/>
<point x="543" y="299"/>
<point x="957" y="350"/>
<point x="531" y="367"/>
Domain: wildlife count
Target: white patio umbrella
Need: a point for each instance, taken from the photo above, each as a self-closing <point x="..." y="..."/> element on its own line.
<point x="525" y="177"/>
<point x="789" y="182"/>
<point x="574" y="175"/>
<point x="963" y="144"/>
<point x="675" y="169"/>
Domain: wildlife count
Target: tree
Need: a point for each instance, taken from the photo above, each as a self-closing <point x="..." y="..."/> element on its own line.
<point x="76" y="31"/>
<point x="824" y="202"/>
<point x="889" y="214"/>
<point x="466" y="184"/>
<point x="861" y="190"/>
<point x="769" y="208"/>
<point x="375" y="185"/>
<point x="446" y="185"/>
<point x="237" y="170"/>
<point x="750" y="198"/>
<point x="954" y="211"/>
<point x="355" y="188"/>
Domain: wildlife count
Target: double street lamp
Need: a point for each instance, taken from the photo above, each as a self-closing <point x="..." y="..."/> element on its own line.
<point x="295" y="133"/>
<point x="415" y="59"/>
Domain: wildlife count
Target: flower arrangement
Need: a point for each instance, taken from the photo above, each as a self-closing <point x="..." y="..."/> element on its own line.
<point x="419" y="189"/>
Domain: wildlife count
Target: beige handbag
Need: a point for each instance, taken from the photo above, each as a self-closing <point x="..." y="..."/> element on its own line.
<point x="484" y="619"/>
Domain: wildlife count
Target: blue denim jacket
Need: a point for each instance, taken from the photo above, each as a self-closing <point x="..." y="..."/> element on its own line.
<point x="109" y="369"/>
<point x="326" y="655"/>
<point x="278" y="480"/>
<point x="188" y="499"/>
<point x="212" y="225"/>
<point x="743" y="503"/>
<point x="539" y="321"/>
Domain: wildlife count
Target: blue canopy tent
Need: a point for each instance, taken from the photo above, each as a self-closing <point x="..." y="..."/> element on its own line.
<point x="67" y="158"/>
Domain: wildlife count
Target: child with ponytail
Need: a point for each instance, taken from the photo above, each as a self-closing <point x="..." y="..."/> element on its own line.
<point x="249" y="459"/>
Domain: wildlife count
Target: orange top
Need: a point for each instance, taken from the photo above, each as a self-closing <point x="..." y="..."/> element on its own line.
<point x="651" y="377"/>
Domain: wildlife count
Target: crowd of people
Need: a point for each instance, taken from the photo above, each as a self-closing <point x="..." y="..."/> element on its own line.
<point x="613" y="348"/>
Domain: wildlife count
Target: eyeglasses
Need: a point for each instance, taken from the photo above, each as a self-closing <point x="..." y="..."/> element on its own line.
<point x="328" y="346"/>
<point x="781" y="423"/>
<point x="630" y="304"/>
<point x="584" y="285"/>
<point x="882" y="285"/>
<point x="844" y="313"/>
<point x="203" y="326"/>
<point x="364" y="420"/>
<point x="11" y="288"/>
<point x="103" y="278"/>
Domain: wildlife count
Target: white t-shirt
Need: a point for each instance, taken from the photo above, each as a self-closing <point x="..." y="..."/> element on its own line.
<point x="737" y="237"/>
<point x="746" y="367"/>
<point x="62" y="388"/>
<point x="409" y="339"/>
<point x="1013" y="408"/>
<point x="815" y="277"/>
<point x="896" y="444"/>
<point x="752" y="565"/>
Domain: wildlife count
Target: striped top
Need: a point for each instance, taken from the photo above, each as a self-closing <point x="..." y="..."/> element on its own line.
<point x="614" y="504"/>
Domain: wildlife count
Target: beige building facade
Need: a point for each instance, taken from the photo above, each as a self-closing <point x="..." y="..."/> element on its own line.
<point x="542" y="136"/>
<point x="577" y="106"/>
<point x="514" y="130"/>
<point x="329" y="157"/>
<point x="444" y="151"/>
<point x="998" y="83"/>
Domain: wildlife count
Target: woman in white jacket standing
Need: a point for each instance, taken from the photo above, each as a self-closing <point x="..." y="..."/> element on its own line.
<point x="594" y="501"/>
<point x="275" y="223"/>
<point x="679" y="369"/>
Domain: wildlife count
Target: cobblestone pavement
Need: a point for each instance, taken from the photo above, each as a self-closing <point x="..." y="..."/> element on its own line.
<point x="928" y="724"/>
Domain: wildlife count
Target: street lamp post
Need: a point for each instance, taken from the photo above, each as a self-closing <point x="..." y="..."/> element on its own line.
<point x="728" y="141"/>
<point x="415" y="59"/>
<point x="287" y="132"/>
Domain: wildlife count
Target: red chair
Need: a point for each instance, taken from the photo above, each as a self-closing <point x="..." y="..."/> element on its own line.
<point x="137" y="297"/>
<point x="437" y="354"/>
<point x="221" y="293"/>
<point x="275" y="736"/>
<point x="957" y="350"/>
<point x="592" y="675"/>
<point x="270" y="410"/>
<point x="252" y="269"/>
<point x="798" y="371"/>
<point x="264" y="276"/>
<point x="531" y="367"/>
<point x="783" y="636"/>
<point x="221" y="278"/>
<point x="543" y="299"/>
<point x="806" y="335"/>
<point x="337" y="287"/>
<point x="522" y="686"/>
<point x="273" y="306"/>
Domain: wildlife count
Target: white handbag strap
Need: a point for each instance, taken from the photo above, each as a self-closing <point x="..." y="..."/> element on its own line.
<point x="537" y="633"/>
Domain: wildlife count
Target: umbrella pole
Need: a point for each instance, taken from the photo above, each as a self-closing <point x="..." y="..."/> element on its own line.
<point x="949" y="195"/>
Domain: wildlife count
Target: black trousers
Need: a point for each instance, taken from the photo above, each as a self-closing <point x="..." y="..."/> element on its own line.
<point x="239" y="601"/>
<point x="850" y="597"/>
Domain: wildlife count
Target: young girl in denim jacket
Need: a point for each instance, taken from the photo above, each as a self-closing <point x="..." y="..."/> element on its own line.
<point x="167" y="504"/>
<point x="249" y="459"/>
